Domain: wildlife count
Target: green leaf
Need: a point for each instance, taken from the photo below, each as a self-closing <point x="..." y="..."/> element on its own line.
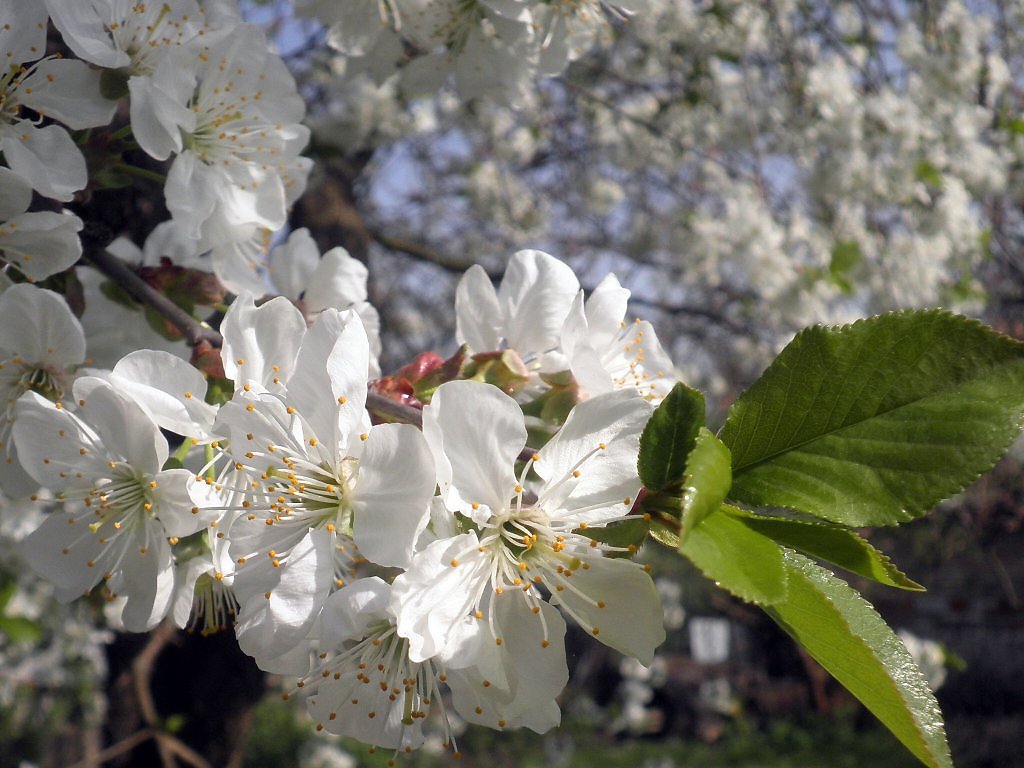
<point x="928" y="173"/>
<point x="625" y="534"/>
<point x="18" y="629"/>
<point x="707" y="480"/>
<point x="844" y="634"/>
<point x="839" y="546"/>
<point x="669" y="437"/>
<point x="7" y="589"/>
<point x="874" y="423"/>
<point x="737" y="558"/>
<point x="845" y="256"/>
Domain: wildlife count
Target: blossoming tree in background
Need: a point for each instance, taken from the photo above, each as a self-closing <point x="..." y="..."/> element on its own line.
<point x="196" y="408"/>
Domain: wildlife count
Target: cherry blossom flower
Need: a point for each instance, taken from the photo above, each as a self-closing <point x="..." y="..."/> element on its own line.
<point x="510" y="544"/>
<point x="605" y="353"/>
<point x="366" y="685"/>
<point x="323" y="493"/>
<point x="68" y="91"/>
<point x="41" y="342"/>
<point x="525" y="314"/>
<point x="135" y="39"/>
<point x="236" y="135"/>
<point x="122" y="510"/>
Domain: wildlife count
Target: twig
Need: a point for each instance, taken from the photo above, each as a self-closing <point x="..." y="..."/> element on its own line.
<point x="125" y="745"/>
<point x="428" y="254"/>
<point x="197" y="333"/>
<point x="385" y="406"/>
<point x="114" y="268"/>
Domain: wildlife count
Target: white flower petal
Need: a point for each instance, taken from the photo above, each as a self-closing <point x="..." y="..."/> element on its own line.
<point x="339" y="281"/>
<point x="618" y="602"/>
<point x="606" y="475"/>
<point x="260" y="343"/>
<point x="68" y="91"/>
<point x="391" y="500"/>
<point x="158" y="106"/>
<point x="15" y="194"/>
<point x="477" y="314"/>
<point x="41" y="243"/>
<point x="434" y="596"/>
<point x="293" y="262"/>
<point x="83" y="28"/>
<point x="147" y="580"/>
<point x="352" y="609"/>
<point x="476" y="432"/>
<point x="535" y="295"/>
<point x="269" y="629"/>
<point x="49" y="439"/>
<point x="70" y="572"/>
<point x="37" y="326"/>
<point x="123" y="427"/>
<point x="45" y="157"/>
<point x="335" y="342"/>
<point x="23" y="35"/>
<point x="169" y="389"/>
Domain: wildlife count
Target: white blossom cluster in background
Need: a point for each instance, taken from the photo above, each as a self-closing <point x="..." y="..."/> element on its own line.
<point x="494" y="48"/>
<point x="785" y="163"/>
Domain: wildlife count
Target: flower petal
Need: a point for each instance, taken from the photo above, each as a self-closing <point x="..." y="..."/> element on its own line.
<point x="391" y="500"/>
<point x="439" y="590"/>
<point x="475" y="432"/>
<point x="618" y="603"/>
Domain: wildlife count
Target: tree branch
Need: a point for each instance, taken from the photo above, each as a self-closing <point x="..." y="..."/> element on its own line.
<point x="194" y="331"/>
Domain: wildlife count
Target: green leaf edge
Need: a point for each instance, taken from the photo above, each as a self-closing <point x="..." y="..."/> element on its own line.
<point x="968" y="321"/>
<point x="673" y="426"/>
<point x="764" y="525"/>
<point x="925" y="726"/>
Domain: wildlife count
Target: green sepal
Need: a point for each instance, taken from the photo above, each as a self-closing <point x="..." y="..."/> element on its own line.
<point x="628" y="534"/>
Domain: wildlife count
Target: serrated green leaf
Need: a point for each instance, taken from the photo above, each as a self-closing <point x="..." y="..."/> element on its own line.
<point x="707" y="480"/>
<point x="625" y="534"/>
<point x="737" y="559"/>
<point x="669" y="437"/>
<point x="839" y="546"/>
<point x="844" y="634"/>
<point x="874" y="423"/>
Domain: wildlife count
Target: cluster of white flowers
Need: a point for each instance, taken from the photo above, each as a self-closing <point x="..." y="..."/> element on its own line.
<point x="494" y="48"/>
<point x="375" y="562"/>
<point x="203" y="90"/>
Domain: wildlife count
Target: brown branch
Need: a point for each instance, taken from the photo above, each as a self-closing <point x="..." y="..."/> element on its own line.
<point x="197" y="333"/>
<point x="115" y="750"/>
<point x="426" y="253"/>
<point x="194" y="331"/>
